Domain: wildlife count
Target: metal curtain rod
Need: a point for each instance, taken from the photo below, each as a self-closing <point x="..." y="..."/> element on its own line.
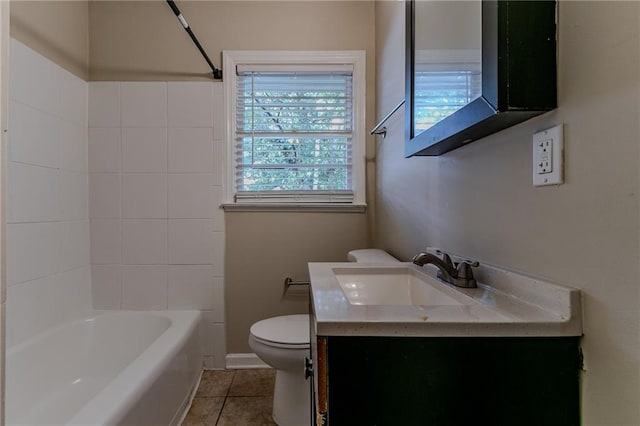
<point x="217" y="73"/>
<point x="377" y="130"/>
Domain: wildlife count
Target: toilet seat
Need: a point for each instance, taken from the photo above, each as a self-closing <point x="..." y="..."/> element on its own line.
<point x="289" y="331"/>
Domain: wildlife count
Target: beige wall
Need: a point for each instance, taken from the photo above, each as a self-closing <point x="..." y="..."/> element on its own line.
<point x="264" y="248"/>
<point x="478" y="201"/>
<point x="144" y="41"/>
<point x="58" y="30"/>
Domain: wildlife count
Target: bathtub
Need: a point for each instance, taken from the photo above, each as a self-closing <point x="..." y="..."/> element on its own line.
<point x="136" y="368"/>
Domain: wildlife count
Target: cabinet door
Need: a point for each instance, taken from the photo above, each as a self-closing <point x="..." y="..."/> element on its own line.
<point x="453" y="381"/>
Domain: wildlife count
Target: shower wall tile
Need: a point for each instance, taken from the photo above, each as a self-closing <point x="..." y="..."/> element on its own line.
<point x="33" y="79"/>
<point x="191" y="287"/>
<point x="218" y="111"/>
<point x="104" y="104"/>
<point x="33" y="136"/>
<point x="190" y="242"/>
<point x="74" y="98"/>
<point x="75" y="292"/>
<point x="218" y="159"/>
<point x="218" y="254"/>
<point x="106" y="241"/>
<point x="190" y="196"/>
<point x="218" y="213"/>
<point x="157" y="230"/>
<point x="74" y="240"/>
<point x="218" y="300"/>
<point x="104" y="149"/>
<point x="206" y="332"/>
<point x="219" y="345"/>
<point x="48" y="232"/>
<point x="74" y="149"/>
<point x="143" y="104"/>
<point x="144" y="196"/>
<point x="73" y="193"/>
<point x="32" y="307"/>
<point x="190" y="150"/>
<point x="33" y="251"/>
<point x="107" y="286"/>
<point x="33" y="194"/>
<point x="144" y="287"/>
<point x="213" y="338"/>
<point x="190" y="104"/>
<point x="144" y="242"/>
<point x="144" y="150"/>
<point x="104" y="195"/>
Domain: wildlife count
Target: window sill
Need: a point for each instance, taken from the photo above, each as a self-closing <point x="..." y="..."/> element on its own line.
<point x="295" y="207"/>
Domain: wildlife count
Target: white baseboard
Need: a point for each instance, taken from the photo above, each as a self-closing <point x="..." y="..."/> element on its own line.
<point x="249" y="360"/>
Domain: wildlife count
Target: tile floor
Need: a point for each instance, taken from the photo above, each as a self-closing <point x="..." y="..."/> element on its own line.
<point x="233" y="398"/>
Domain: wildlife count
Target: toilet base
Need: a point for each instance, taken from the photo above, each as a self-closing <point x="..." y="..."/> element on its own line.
<point x="291" y="399"/>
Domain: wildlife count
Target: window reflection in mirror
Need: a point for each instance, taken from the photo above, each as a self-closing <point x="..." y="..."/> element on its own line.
<point x="448" y="59"/>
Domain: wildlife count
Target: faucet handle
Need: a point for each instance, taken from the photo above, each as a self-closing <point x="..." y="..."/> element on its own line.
<point x="465" y="272"/>
<point x="445" y="258"/>
<point x="473" y="263"/>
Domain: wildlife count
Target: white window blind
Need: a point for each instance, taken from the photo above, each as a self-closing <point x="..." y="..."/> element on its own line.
<point x="293" y="134"/>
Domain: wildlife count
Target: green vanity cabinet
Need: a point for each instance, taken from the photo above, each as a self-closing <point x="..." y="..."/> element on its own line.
<point x="446" y="381"/>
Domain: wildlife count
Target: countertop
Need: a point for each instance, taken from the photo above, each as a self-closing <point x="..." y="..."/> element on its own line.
<point x="511" y="305"/>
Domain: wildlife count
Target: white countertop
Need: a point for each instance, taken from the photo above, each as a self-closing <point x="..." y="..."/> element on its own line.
<point x="512" y="305"/>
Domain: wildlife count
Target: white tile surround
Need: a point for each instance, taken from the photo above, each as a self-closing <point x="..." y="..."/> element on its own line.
<point x="48" y="266"/>
<point x="113" y="195"/>
<point x="157" y="232"/>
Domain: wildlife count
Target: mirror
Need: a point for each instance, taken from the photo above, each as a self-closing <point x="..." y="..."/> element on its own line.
<point x="475" y="67"/>
<point x="447" y="60"/>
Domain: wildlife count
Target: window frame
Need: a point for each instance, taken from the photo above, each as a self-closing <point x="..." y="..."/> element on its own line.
<point x="354" y="58"/>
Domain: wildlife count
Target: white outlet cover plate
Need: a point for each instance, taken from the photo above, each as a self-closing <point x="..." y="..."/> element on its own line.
<point x="555" y="176"/>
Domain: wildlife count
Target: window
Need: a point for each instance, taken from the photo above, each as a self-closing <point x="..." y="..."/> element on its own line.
<point x="295" y="128"/>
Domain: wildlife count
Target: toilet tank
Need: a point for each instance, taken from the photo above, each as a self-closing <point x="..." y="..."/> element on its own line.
<point x="370" y="256"/>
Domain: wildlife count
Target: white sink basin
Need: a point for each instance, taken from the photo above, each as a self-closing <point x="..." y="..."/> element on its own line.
<point x="391" y="286"/>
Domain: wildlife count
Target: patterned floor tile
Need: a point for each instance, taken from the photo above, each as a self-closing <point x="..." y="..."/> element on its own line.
<point x="247" y="411"/>
<point x="258" y="382"/>
<point x="204" y="412"/>
<point x="215" y="383"/>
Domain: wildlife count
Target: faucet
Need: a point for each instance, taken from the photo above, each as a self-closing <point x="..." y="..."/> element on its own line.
<point x="459" y="274"/>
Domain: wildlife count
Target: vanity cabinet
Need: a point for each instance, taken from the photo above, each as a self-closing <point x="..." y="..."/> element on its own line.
<point x="505" y="354"/>
<point x="446" y="381"/>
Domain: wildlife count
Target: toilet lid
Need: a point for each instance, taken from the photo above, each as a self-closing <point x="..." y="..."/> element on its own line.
<point x="288" y="329"/>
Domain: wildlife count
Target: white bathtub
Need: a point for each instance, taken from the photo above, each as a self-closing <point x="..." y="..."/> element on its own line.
<point x="135" y="368"/>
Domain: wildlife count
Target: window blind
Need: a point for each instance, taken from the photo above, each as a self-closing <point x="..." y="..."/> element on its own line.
<point x="293" y="135"/>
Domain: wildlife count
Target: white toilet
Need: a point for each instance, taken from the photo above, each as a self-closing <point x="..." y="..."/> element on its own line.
<point x="283" y="343"/>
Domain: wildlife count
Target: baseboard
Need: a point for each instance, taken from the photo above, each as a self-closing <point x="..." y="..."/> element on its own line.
<point x="248" y="360"/>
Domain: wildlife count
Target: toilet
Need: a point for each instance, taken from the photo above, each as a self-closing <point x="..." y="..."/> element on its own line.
<point x="284" y="343"/>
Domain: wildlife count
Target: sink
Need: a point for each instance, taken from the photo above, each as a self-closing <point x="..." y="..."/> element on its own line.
<point x="391" y="286"/>
<point x="403" y="299"/>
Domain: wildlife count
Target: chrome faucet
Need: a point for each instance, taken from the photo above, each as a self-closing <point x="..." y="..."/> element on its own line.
<point x="459" y="274"/>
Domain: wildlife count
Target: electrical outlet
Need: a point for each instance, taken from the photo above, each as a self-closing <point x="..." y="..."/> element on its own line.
<point x="548" y="148"/>
<point x="544" y="156"/>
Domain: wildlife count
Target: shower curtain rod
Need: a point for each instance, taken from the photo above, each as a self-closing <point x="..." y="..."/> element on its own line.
<point x="217" y="73"/>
